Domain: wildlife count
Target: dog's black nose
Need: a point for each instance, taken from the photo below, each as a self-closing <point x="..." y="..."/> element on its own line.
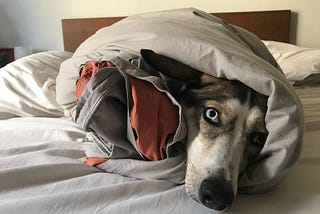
<point x="216" y="193"/>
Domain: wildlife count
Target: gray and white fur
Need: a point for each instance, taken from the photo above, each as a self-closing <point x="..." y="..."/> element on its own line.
<point x="226" y="128"/>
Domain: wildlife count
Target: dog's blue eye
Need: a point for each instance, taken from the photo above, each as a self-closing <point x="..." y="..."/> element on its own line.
<point x="212" y="115"/>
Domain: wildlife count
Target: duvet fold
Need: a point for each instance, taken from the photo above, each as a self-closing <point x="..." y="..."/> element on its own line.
<point x="210" y="45"/>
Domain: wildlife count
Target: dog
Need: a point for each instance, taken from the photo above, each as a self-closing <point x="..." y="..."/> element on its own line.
<point x="226" y="128"/>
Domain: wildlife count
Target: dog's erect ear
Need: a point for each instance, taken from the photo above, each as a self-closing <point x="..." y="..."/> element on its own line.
<point x="169" y="67"/>
<point x="177" y="76"/>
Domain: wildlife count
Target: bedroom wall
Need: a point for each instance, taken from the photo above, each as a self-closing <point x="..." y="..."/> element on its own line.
<point x="36" y="23"/>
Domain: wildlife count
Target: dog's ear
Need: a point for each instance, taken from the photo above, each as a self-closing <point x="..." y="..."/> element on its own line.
<point x="177" y="75"/>
<point x="169" y="67"/>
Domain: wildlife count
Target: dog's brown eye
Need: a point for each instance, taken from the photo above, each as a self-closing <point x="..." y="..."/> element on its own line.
<point x="257" y="141"/>
<point x="212" y="115"/>
<point x="259" y="138"/>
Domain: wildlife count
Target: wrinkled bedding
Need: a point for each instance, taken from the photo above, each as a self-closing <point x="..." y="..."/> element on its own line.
<point x="42" y="167"/>
<point x="212" y="46"/>
<point x="27" y="85"/>
<point x="42" y="171"/>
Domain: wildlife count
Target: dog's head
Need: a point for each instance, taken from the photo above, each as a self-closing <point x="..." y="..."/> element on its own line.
<point x="226" y="128"/>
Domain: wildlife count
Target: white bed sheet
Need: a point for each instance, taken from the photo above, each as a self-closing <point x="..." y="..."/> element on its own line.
<point x="42" y="171"/>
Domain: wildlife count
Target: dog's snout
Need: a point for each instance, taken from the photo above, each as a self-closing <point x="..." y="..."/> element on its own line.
<point x="216" y="193"/>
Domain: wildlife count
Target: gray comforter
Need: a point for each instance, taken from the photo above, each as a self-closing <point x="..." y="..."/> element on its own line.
<point x="210" y="45"/>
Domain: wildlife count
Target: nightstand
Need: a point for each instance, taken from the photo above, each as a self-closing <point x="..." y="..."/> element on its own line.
<point x="6" y="56"/>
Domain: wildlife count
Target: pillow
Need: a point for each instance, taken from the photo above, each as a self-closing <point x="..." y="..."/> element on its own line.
<point x="300" y="65"/>
<point x="27" y="85"/>
<point x="66" y="84"/>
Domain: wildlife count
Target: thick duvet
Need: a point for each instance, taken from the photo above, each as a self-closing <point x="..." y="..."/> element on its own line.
<point x="210" y="45"/>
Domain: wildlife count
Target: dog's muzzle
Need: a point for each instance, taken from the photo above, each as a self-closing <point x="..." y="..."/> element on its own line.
<point x="216" y="193"/>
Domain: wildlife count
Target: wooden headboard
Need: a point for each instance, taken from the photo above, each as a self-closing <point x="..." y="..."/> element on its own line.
<point x="267" y="25"/>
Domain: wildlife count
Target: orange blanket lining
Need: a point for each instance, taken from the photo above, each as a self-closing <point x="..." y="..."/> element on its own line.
<point x="153" y="116"/>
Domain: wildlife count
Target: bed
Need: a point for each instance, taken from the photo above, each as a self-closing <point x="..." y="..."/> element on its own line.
<point x="41" y="159"/>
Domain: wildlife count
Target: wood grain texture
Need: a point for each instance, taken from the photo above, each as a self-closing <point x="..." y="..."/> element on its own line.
<point x="267" y="25"/>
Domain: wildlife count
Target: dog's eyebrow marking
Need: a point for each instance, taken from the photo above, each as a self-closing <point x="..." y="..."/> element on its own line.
<point x="255" y="116"/>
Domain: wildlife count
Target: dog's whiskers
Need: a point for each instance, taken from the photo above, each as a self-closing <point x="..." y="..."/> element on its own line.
<point x="191" y="180"/>
<point x="190" y="191"/>
<point x="191" y="167"/>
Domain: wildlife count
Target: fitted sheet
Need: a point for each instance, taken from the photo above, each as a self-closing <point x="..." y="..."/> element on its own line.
<point x="42" y="171"/>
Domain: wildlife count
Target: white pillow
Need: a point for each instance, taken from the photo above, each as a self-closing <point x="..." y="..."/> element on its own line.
<point x="300" y="65"/>
<point x="27" y="85"/>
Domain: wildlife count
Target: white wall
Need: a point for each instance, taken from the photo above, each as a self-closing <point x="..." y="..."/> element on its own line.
<point x="36" y="23"/>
